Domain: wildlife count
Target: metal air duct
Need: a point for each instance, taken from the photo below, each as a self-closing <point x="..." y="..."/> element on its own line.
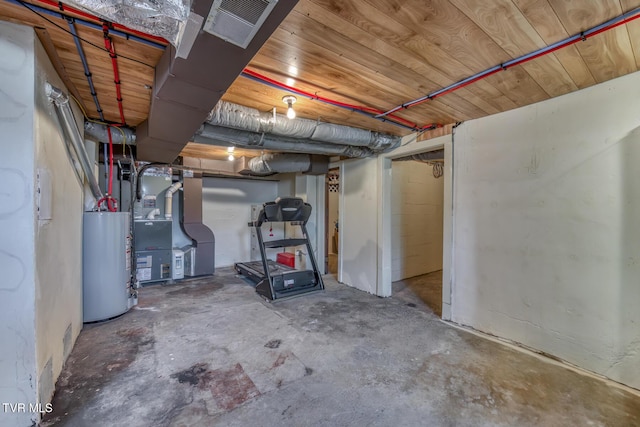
<point x="272" y="163"/>
<point x="239" y="117"/>
<point x="187" y="87"/>
<point x="223" y="137"/>
<point x="99" y="133"/>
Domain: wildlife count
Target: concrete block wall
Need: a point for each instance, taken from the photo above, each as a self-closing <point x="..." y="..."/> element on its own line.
<point x="416" y="223"/>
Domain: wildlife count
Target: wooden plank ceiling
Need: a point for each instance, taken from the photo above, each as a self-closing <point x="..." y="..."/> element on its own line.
<point x="383" y="53"/>
<point x="136" y="63"/>
<point x="380" y="54"/>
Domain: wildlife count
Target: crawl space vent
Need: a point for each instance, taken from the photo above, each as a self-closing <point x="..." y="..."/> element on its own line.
<point x="237" y="21"/>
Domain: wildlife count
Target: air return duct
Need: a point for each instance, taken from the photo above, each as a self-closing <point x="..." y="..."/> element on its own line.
<point x="237" y="21"/>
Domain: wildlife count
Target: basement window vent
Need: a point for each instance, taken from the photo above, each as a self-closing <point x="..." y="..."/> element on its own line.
<point x="237" y="21"/>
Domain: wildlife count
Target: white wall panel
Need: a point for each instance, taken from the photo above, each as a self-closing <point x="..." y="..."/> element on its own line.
<point x="546" y="241"/>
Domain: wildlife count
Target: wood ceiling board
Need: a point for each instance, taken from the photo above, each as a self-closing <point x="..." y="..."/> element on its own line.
<point x="372" y="84"/>
<point x="543" y="18"/>
<point x="380" y="26"/>
<point x="264" y="98"/>
<point x="518" y="85"/>
<point x="273" y="97"/>
<point x="447" y="27"/>
<point x="50" y="48"/>
<point x="607" y="55"/>
<point x="397" y="80"/>
<point x="633" y="28"/>
<point x="503" y="22"/>
<point x="133" y="75"/>
<point x="414" y="52"/>
<point x="205" y="151"/>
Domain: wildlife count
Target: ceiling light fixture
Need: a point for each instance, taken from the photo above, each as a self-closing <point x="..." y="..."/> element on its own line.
<point x="290" y="100"/>
<point x="231" y="157"/>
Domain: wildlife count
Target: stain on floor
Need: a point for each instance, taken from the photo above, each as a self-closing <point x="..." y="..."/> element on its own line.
<point x="213" y="353"/>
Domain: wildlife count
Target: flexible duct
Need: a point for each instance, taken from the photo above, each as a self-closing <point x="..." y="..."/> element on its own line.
<point x="99" y="133"/>
<point x="168" y="198"/>
<point x="73" y="133"/>
<point x="239" y="117"/>
<point x="269" y="164"/>
<point x="223" y="136"/>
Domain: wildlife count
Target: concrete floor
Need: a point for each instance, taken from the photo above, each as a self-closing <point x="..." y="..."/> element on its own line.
<point x="213" y="353"/>
<point x="427" y="288"/>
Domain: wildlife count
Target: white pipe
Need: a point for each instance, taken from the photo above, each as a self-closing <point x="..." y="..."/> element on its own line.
<point x="168" y="198"/>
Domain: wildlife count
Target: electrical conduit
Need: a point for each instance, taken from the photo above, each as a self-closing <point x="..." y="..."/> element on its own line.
<point x="367" y="111"/>
<point x="608" y="25"/>
<point x="66" y="117"/>
<point x="85" y="65"/>
<point x="108" y="44"/>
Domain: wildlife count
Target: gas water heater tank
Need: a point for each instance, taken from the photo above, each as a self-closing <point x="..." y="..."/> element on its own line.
<point x="106" y="265"/>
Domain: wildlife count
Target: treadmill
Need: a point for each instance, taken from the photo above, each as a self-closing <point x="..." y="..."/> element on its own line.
<point x="273" y="280"/>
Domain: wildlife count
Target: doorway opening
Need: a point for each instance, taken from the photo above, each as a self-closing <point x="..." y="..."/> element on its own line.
<point x="332" y="226"/>
<point x="417" y="226"/>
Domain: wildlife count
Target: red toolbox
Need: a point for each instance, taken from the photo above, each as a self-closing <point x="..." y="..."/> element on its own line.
<point x="286" y="258"/>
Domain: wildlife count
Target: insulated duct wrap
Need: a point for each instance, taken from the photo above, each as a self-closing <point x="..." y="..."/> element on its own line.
<point x="235" y="116"/>
<point x="269" y="164"/>
<point x="99" y="133"/>
<point x="224" y="136"/>
<point x="163" y="18"/>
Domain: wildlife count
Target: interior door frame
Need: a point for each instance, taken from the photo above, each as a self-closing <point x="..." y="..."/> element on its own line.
<point x="411" y="146"/>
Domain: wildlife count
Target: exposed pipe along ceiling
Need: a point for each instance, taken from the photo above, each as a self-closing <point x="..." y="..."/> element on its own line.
<point x="186" y="106"/>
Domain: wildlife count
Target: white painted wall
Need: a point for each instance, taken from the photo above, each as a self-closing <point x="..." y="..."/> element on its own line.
<point x="416" y="223"/>
<point x="17" y="242"/>
<point x="359" y="206"/>
<point x="40" y="294"/>
<point x="546" y="235"/>
<point x="311" y="189"/>
<point x="58" y="243"/>
<point x="226" y="210"/>
<point x="410" y="146"/>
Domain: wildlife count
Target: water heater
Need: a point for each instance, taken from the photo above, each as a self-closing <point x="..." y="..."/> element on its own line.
<point x="106" y="259"/>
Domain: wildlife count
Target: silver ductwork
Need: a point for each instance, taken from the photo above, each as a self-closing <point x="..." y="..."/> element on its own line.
<point x="271" y="163"/>
<point x="99" y="133"/>
<point x="224" y="137"/>
<point x="229" y="115"/>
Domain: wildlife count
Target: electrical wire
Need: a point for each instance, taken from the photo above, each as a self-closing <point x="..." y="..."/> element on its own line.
<point x="438" y="169"/>
<point x="108" y="44"/>
<point x="584" y="35"/>
<point x="87" y="118"/>
<point x="85" y="66"/>
<point x="29" y="7"/>
<point x="112" y="203"/>
<point x="367" y="111"/>
<point x="133" y="33"/>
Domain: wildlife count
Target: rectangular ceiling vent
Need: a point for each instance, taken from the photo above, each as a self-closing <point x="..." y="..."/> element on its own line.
<point x="237" y="21"/>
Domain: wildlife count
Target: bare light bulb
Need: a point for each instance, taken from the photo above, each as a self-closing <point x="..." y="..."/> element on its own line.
<point x="231" y="157"/>
<point x="290" y="100"/>
<point x="291" y="113"/>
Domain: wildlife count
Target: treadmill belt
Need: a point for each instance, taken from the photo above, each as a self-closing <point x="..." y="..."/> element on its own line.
<point x="257" y="268"/>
